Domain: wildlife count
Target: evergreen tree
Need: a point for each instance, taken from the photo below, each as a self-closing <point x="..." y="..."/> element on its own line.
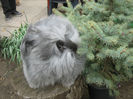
<point x="106" y="31"/>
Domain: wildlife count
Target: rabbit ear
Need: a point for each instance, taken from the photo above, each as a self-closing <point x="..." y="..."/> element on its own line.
<point x="31" y="29"/>
<point x="29" y="40"/>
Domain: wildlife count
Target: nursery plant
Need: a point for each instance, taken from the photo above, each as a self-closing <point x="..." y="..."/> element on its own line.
<point x="106" y="31"/>
<point x="10" y="46"/>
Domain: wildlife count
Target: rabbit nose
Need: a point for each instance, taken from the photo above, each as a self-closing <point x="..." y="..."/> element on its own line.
<point x="71" y="45"/>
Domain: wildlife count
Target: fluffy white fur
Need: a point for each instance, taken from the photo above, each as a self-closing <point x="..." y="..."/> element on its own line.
<point x="43" y="62"/>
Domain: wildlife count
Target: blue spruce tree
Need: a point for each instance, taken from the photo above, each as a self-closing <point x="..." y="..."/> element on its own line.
<point x="106" y="31"/>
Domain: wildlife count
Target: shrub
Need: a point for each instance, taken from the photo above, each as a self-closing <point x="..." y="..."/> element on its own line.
<point x="106" y="31"/>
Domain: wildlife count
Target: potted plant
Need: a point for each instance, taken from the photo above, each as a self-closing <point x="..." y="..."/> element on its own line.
<point x="106" y="41"/>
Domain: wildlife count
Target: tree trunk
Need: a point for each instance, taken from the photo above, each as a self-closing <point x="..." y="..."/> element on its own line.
<point x="77" y="91"/>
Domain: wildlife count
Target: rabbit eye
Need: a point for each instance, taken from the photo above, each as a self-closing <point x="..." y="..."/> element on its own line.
<point x="29" y="43"/>
<point x="60" y="45"/>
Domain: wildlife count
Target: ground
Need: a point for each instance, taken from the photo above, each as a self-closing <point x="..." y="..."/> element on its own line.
<point x="126" y="90"/>
<point x="13" y="85"/>
<point x="7" y="91"/>
<point x="32" y="11"/>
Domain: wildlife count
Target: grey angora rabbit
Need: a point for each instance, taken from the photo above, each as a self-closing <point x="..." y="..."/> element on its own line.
<point x="48" y="52"/>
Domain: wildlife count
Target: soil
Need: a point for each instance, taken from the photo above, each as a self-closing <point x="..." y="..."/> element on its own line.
<point x="126" y="90"/>
<point x="7" y="90"/>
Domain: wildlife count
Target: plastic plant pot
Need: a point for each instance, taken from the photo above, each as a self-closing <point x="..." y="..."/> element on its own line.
<point x="99" y="93"/>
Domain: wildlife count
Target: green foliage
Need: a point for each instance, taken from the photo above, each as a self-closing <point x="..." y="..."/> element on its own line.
<point x="106" y="31"/>
<point x="10" y="46"/>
